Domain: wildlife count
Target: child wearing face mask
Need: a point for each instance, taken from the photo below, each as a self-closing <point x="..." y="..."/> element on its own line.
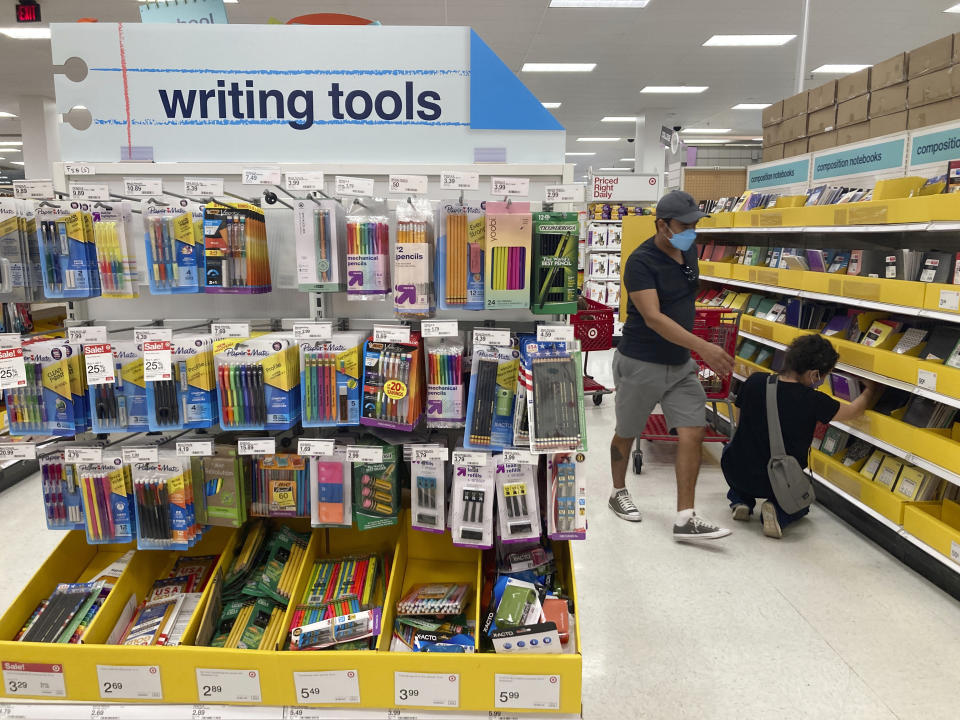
<point x="801" y="406"/>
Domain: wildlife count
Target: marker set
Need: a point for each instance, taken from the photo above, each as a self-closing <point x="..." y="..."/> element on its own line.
<point x="507" y="270"/>
<point x="62" y="498"/>
<point x="393" y="392"/>
<point x="106" y="488"/>
<point x="113" y="238"/>
<point x="21" y="278"/>
<point x="121" y="406"/>
<point x="319" y="229"/>
<point x="188" y="399"/>
<point x="555" y="405"/>
<point x="376" y="491"/>
<point x="280" y="486"/>
<point x="68" y="253"/>
<point x="566" y="499"/>
<point x="368" y="254"/>
<point x="174" y="240"/>
<point x="490" y="404"/>
<point x="257" y="382"/>
<point x="556" y="238"/>
<point x="460" y="255"/>
<point x="165" y="505"/>
<point x="519" y="512"/>
<point x="45" y="404"/>
<point x="413" y="261"/>
<point x="330" y="380"/>
<point x="237" y="259"/>
<point x="472" y="498"/>
<point x="444" y="382"/>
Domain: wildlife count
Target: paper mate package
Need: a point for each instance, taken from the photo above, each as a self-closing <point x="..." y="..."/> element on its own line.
<point x="460" y="257"/>
<point x="20" y="275"/>
<point x="319" y="228"/>
<point x="107" y="503"/>
<point x="174" y="248"/>
<point x="45" y="403"/>
<point x="121" y="405"/>
<point x="491" y="401"/>
<point x="68" y="254"/>
<point x="257" y="382"/>
<point x="188" y="399"/>
<point x="78" y="386"/>
<point x="330" y="377"/>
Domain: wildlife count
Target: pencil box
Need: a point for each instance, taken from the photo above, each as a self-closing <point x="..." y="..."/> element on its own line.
<point x="257" y="382"/>
<point x="330" y="375"/>
<point x="518" y="510"/>
<point x="393" y="391"/>
<point x="413" y="260"/>
<point x="491" y="398"/>
<point x="68" y="254"/>
<point x="174" y="245"/>
<point x="471" y="514"/>
<point x="106" y="490"/>
<point x="556" y="244"/>
<point x="113" y="239"/>
<point x="236" y="256"/>
<point x="376" y="490"/>
<point x="45" y="403"/>
<point x="460" y="257"/>
<point x="320" y="228"/>
<point x="507" y="261"/>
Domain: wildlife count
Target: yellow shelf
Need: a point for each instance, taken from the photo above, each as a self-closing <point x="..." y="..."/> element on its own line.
<point x="936" y="525"/>
<point x="872" y="494"/>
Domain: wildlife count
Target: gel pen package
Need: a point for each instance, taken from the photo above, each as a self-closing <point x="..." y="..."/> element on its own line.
<point x="68" y="253"/>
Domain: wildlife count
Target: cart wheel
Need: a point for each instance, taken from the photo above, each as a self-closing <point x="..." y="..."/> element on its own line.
<point x="597" y="398"/>
<point x="637" y="461"/>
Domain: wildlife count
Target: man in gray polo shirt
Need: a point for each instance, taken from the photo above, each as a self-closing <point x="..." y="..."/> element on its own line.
<point x="653" y="365"/>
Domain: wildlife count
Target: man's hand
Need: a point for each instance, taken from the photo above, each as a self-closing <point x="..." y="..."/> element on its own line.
<point x="716" y="358"/>
<point x="869" y="386"/>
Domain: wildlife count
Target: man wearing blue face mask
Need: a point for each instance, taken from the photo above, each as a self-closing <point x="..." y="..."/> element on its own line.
<point x="653" y="365"/>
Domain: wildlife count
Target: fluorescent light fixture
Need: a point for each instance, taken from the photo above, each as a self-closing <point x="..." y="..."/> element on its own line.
<point x="674" y="89"/>
<point x="839" y="69"/>
<point x="26" y="33"/>
<point x="558" y="67"/>
<point x="748" y="40"/>
<point x="627" y="160"/>
<point x="953" y="9"/>
<point x="17" y="162"/>
<point x="6" y="114"/>
<point x="617" y="168"/>
<point x="551" y="105"/>
<point x="17" y="143"/>
<point x="751" y="106"/>
<point x="619" y="118"/>
<point x="599" y="3"/>
<point x="705" y="131"/>
<point x="706" y="141"/>
<point x="598" y="139"/>
<point x="581" y="153"/>
<point x="10" y="150"/>
<point x="759" y="139"/>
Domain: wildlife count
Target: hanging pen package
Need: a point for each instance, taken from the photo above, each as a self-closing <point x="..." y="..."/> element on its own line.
<point x="257" y="382"/>
<point x="120" y="405"/>
<point x="507" y="260"/>
<point x="444" y="382"/>
<point x="174" y="248"/>
<point x="68" y="253"/>
<point x="113" y="236"/>
<point x="236" y="257"/>
<point x="376" y="489"/>
<point x="188" y="399"/>
<point x="491" y="400"/>
<point x="555" y="403"/>
<point x="62" y="494"/>
<point x="460" y="255"/>
<point x="519" y="512"/>
<point x="556" y="238"/>
<point x="320" y="227"/>
<point x="566" y="498"/>
<point x="165" y="503"/>
<point x="413" y="260"/>
<point x="45" y="403"/>
<point x="330" y="376"/>
<point x="472" y="498"/>
<point x="368" y="251"/>
<point x="393" y="392"/>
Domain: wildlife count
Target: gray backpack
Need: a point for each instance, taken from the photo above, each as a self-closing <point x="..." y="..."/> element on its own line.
<point x="792" y="487"/>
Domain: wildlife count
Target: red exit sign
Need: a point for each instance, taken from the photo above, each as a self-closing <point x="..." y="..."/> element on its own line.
<point x="28" y="12"/>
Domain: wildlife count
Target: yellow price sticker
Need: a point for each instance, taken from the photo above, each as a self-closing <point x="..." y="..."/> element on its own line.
<point x="395" y="389"/>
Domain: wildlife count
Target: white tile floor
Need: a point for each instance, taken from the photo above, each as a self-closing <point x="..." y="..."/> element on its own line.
<point x="822" y="624"/>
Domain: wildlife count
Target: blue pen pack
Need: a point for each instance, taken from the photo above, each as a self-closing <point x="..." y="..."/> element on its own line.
<point x="107" y="499"/>
<point x="188" y="400"/>
<point x="121" y="406"/>
<point x="173" y="235"/>
<point x="45" y="403"/>
<point x="460" y="257"/>
<point x="257" y="382"/>
<point x="330" y="378"/>
<point x="491" y="400"/>
<point x="68" y="253"/>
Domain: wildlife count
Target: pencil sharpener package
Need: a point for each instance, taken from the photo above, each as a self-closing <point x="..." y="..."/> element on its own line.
<point x="368" y="255"/>
<point x="188" y="399"/>
<point x="460" y="257"/>
<point x="62" y="496"/>
<point x="330" y="490"/>
<point x="113" y="237"/>
<point x="257" y="382"/>
<point x="566" y="498"/>
<point x="393" y="391"/>
<point x="280" y="486"/>
<point x="428" y="492"/>
<point x="330" y="377"/>
<point x="519" y="512"/>
<point x="21" y="278"/>
<point x="555" y="407"/>
<point x="413" y="260"/>
<point x="174" y="249"/>
<point x="472" y="498"/>
<point x="507" y="261"/>
<point x="165" y="504"/>
<point x="45" y="403"/>
<point x="121" y="406"/>
<point x="444" y="382"/>
<point x="106" y="489"/>
<point x="556" y="242"/>
<point x="490" y="403"/>
<point x="236" y="257"/>
<point x="68" y="253"/>
<point x="376" y="490"/>
<point x="225" y="486"/>
<point x="320" y="227"/>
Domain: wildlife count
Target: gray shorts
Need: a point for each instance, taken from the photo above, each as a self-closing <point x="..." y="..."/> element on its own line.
<point x="642" y="385"/>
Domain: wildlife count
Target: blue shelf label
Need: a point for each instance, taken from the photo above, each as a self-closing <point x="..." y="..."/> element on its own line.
<point x="870" y="158"/>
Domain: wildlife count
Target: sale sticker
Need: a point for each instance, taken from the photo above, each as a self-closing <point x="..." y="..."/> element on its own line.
<point x="228" y="685"/>
<point x="426" y="689"/>
<point x="129" y="682"/>
<point x="38" y="679"/>
<point x="329" y="687"/>
<point x="156" y="360"/>
<point x="527" y="692"/>
<point x="395" y="389"/>
<point x="13" y="371"/>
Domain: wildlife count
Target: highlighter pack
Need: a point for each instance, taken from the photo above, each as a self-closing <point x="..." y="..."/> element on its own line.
<point x="174" y="243"/>
<point x="330" y="376"/>
<point x="460" y="257"/>
<point x="320" y="227"/>
<point x="236" y="258"/>
<point x="68" y="253"/>
<point x="257" y="382"/>
<point x="188" y="399"/>
<point x="113" y="236"/>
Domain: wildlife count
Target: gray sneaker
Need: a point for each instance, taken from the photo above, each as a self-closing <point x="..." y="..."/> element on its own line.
<point x="698" y="528"/>
<point x="622" y="504"/>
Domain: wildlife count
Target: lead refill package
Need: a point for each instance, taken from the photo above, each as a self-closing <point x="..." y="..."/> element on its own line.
<point x="113" y="237"/>
<point x="188" y="399"/>
<point x="174" y="245"/>
<point x="330" y="377"/>
<point x="68" y="253"/>
<point x="330" y="490"/>
<point x="164" y="501"/>
<point x="62" y="497"/>
<point x="121" y="405"/>
<point x="45" y="403"/>
<point x="413" y="260"/>
<point x="257" y="382"/>
<point x="460" y="257"/>
<point x="555" y="406"/>
<point x="376" y="490"/>
<point x="519" y="513"/>
<point x="566" y="499"/>
<point x="471" y="507"/>
<point x="106" y="488"/>
<point x="320" y="227"/>
<point x="427" y="491"/>
<point x="444" y="382"/>
<point x="236" y="256"/>
<point x="20" y="271"/>
<point x="490" y="404"/>
<point x="368" y="253"/>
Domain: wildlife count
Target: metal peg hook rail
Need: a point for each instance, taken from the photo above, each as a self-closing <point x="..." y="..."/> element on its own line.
<point x="271" y="198"/>
<point x="328" y="197"/>
<point x="115" y="196"/>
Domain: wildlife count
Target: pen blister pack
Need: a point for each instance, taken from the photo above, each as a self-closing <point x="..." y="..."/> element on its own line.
<point x="21" y="277"/>
<point x="566" y="498"/>
<point x="507" y="261"/>
<point x="472" y="499"/>
<point x="555" y="403"/>
<point x="330" y="377"/>
<point x="114" y="240"/>
<point x="393" y="391"/>
<point x="236" y="256"/>
<point x="519" y="512"/>
<point x="174" y="245"/>
<point x="376" y="490"/>
<point x="121" y="406"/>
<point x="165" y="504"/>
<point x="106" y="488"/>
<point x="188" y="399"/>
<point x="414" y="295"/>
<point x="320" y="227"/>
<point x="460" y="255"/>
<point x="68" y="253"/>
<point x="226" y="486"/>
<point x="62" y="495"/>
<point x="556" y="242"/>
<point x="428" y="493"/>
<point x="280" y="486"/>
<point x="368" y="253"/>
<point x="444" y="382"/>
<point x="330" y="490"/>
<point x="257" y="382"/>
<point x="490" y="402"/>
<point x="45" y="403"/>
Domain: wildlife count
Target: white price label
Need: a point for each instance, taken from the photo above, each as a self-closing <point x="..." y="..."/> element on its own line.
<point x="146" y="334"/>
<point x="491" y="336"/>
<point x="305" y="180"/>
<point x="313" y="331"/>
<point x="195" y="448"/>
<point x="140" y="455"/>
<point x="354" y="186"/>
<point x="555" y="333"/>
<point x="439" y="328"/>
<point x="465" y="457"/>
<point x="89" y="191"/>
<point x="364" y="453"/>
<point x="949" y="300"/>
<point x="156" y="360"/>
<point x="229" y="330"/>
<point x="512" y="456"/>
<point x="79" y="169"/>
<point x="955" y="551"/>
<point x="38" y="679"/>
<point x="426" y="689"/>
<point x="425" y="453"/>
<point x="143" y="187"/>
<point x="83" y="455"/>
<point x="307" y="447"/>
<point x="527" y="692"/>
<point x="13" y="371"/>
<point x="927" y="379"/>
<point x="261" y="176"/>
<point x="518" y="187"/>
<point x="33" y="189"/>
<point x="564" y="193"/>
<point x="129" y="682"/>
<point x="228" y="685"/>
<point x="453" y="180"/>
<point x="18" y="451"/>
<point x="391" y="333"/>
<point x="87" y="334"/>
<point x="202" y="187"/>
<point x="410" y="184"/>
<point x="329" y="687"/>
<point x="257" y="446"/>
<point x="98" y="363"/>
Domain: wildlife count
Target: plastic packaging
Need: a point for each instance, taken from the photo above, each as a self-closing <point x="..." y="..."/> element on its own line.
<point x="393" y="392"/>
<point x="174" y="248"/>
<point x="113" y="236"/>
<point x="460" y="257"/>
<point x="566" y="499"/>
<point x="556" y="240"/>
<point x="368" y="253"/>
<point x="320" y="230"/>
<point x="188" y="400"/>
<point x="330" y="376"/>
<point x="472" y="498"/>
<point x="413" y="260"/>
<point x="519" y="511"/>
<point x="444" y="382"/>
<point x="236" y="256"/>
<point x="490" y="404"/>
<point x="68" y="253"/>
<point x="257" y="382"/>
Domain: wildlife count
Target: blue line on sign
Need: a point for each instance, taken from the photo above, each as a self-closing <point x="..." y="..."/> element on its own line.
<point x="223" y="71"/>
<point x="275" y="121"/>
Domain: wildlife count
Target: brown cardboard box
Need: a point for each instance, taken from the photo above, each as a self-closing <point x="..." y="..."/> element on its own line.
<point x="933" y="87"/>
<point x="772" y="115"/>
<point x="888" y="124"/>
<point x="793" y="129"/>
<point x="774" y="152"/>
<point x="889" y="100"/>
<point x="889" y="72"/>
<point x="771" y="135"/>
<point x="935" y="113"/>
<point x="795" y="147"/>
<point x="853" y="133"/>
<point x="821" y="97"/>
<point x="822" y="120"/>
<point x="853" y="85"/>
<point x="853" y="111"/>
<point x="931" y="57"/>
<point x="956" y="48"/>
<point x="823" y="141"/>
<point x="795" y="105"/>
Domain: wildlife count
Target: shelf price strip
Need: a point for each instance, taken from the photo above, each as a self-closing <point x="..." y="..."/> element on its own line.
<point x="129" y="682"/>
<point x="426" y="689"/>
<point x="228" y="685"/>
<point x="527" y="692"/>
<point x="329" y="687"/>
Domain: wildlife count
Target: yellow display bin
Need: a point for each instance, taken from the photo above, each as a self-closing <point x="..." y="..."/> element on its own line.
<point x="873" y="495"/>
<point x="936" y="525"/>
<point x="895" y="292"/>
<point x="942" y="297"/>
<point x="715" y="269"/>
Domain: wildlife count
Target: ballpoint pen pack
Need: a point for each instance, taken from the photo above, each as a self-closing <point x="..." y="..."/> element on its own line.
<point x="471" y="496"/>
<point x="20" y="273"/>
<point x="165" y="504"/>
<point x="413" y="260"/>
<point x="257" y="382"/>
<point x="428" y="492"/>
<point x="62" y="496"/>
<point x="188" y="400"/>
<point x="113" y="237"/>
<point x="566" y="498"/>
<point x="444" y="382"/>
<point x="236" y="256"/>
<point x="556" y="241"/>
<point x="393" y="391"/>
<point x="376" y="489"/>
<point x="107" y="492"/>
<point x="320" y="228"/>
<point x="519" y="512"/>
<point x="226" y="485"/>
<point x="555" y="403"/>
<point x="280" y="485"/>
<point x="45" y="403"/>
<point x="174" y="249"/>
<point x="368" y="253"/>
<point x="121" y="406"/>
<point x="491" y="400"/>
<point x="507" y="261"/>
<point x="330" y="489"/>
<point x="68" y="253"/>
<point x="330" y="376"/>
<point x="460" y="257"/>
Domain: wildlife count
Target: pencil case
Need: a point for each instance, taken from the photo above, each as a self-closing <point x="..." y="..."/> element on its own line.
<point x="174" y="244"/>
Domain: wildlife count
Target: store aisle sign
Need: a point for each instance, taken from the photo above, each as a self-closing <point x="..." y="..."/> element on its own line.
<point x="934" y="147"/>
<point x="796" y="172"/>
<point x="198" y="12"/>
<point x="864" y="159"/>
<point x="617" y="188"/>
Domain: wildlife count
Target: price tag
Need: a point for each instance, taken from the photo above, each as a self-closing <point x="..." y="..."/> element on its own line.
<point x="555" y="333"/>
<point x="228" y="685"/>
<point x="142" y="335"/>
<point x="195" y="448"/>
<point x="202" y="187"/>
<point x="439" y="328"/>
<point x="41" y="679"/>
<point x="927" y="379"/>
<point x="564" y="193"/>
<point x="330" y="687"/>
<point x="527" y="692"/>
<point x="354" y="186"/>
<point x="78" y="169"/>
<point x="513" y="456"/>
<point x="33" y="189"/>
<point x="427" y="453"/>
<point x="492" y="336"/>
<point x="427" y="689"/>
<point x="156" y="360"/>
<point x="364" y="453"/>
<point x="410" y="184"/>
<point x="261" y="176"/>
<point x="391" y="333"/>
<point x="140" y="455"/>
<point x="305" y="180"/>
<point x="955" y="551"/>
<point x="313" y="331"/>
<point x="129" y="682"/>
<point x="453" y="180"/>
<point x="98" y="363"/>
<point x="257" y="446"/>
<point x="949" y="300"/>
<point x="18" y="451"/>
<point x="519" y="187"/>
<point x="87" y="334"/>
<point x="13" y="372"/>
<point x="89" y="191"/>
<point x="143" y="187"/>
<point x="83" y="455"/>
<point x="307" y="447"/>
<point x="465" y="457"/>
<point x="229" y="330"/>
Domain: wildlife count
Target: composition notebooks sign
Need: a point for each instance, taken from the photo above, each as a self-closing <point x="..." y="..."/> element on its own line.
<point x="785" y="173"/>
<point x="297" y="93"/>
<point x="864" y="159"/>
<point x="938" y="146"/>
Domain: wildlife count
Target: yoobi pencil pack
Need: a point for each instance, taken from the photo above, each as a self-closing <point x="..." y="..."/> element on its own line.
<point x="236" y="257"/>
<point x="460" y="257"/>
<point x="490" y="404"/>
<point x="68" y="253"/>
<point x="45" y="403"/>
<point x="120" y="405"/>
<point x="507" y="261"/>
<point x="556" y="239"/>
<point x="189" y="398"/>
<point x="413" y="260"/>
<point x="368" y="254"/>
<point x="393" y="392"/>
<point x="107" y="492"/>
<point x="113" y="237"/>
<point x="472" y="499"/>
<point x="174" y="241"/>
<point x="444" y="382"/>
<point x="376" y="489"/>
<point x="330" y="376"/>
<point x="257" y="382"/>
<point x="320" y="229"/>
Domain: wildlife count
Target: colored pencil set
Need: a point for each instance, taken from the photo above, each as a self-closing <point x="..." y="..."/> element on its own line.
<point x="280" y="486"/>
<point x="368" y="249"/>
<point x="460" y="254"/>
<point x="115" y="260"/>
<point x="444" y="382"/>
<point x="319" y="229"/>
<point x="556" y="404"/>
<point x="508" y="268"/>
<point x="556" y="238"/>
<point x="508" y="261"/>
<point x="62" y="498"/>
<point x="173" y="240"/>
<point x="237" y="259"/>
<point x="68" y="253"/>
<point x="107" y="490"/>
<point x="413" y="260"/>
<point x="392" y="385"/>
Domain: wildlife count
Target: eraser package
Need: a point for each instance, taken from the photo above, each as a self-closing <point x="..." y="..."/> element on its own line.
<point x="236" y="257"/>
<point x="45" y="403"/>
<point x="507" y="261"/>
<point x="257" y="382"/>
<point x="330" y="490"/>
<point x="472" y="498"/>
<point x="174" y="249"/>
<point x="519" y="512"/>
<point x="21" y="277"/>
<point x="330" y="377"/>
<point x="68" y="253"/>
<point x="188" y="399"/>
<point x="555" y="406"/>
<point x="427" y="493"/>
<point x="113" y="236"/>
<point x="62" y="496"/>
<point x="320" y="229"/>
<point x="392" y="384"/>
<point x="121" y="406"/>
<point x="490" y="405"/>
<point x="444" y="382"/>
<point x="413" y="260"/>
<point x="556" y="239"/>
<point x="460" y="256"/>
<point x="107" y="500"/>
<point x="566" y="499"/>
<point x="368" y="254"/>
<point x="376" y="490"/>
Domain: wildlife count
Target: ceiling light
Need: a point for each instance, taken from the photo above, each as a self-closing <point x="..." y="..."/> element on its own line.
<point x="840" y="69"/>
<point x="750" y="106"/>
<point x="705" y="141"/>
<point x="11" y="150"/>
<point x="551" y="105"/>
<point x="581" y="153"/>
<point x="627" y="160"/>
<point x="11" y="142"/>
<point x="705" y="131"/>
<point x="954" y="9"/>
<point x="598" y="139"/>
<point x="26" y="33"/>
<point x="6" y="115"/>
<point x="619" y="118"/>
<point x="16" y="162"/>
<point x="600" y="3"/>
<point x="616" y="168"/>
<point x="759" y="139"/>
<point x="558" y="67"/>
<point x="748" y="40"/>
<point x="675" y="89"/>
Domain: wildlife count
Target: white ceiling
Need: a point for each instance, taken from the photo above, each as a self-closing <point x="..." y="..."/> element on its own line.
<point x="658" y="45"/>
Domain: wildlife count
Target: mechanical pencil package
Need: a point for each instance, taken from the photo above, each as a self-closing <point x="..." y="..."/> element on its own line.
<point x="556" y="242"/>
<point x="566" y="499"/>
<point x="45" y="403"/>
<point x="68" y="253"/>
<point x="320" y="228"/>
<point x="330" y="375"/>
<point x="113" y="237"/>
<point x="490" y="403"/>
<point x="62" y="496"/>
<point x="471" y="511"/>
<point x="76" y="372"/>
<point x="368" y="253"/>
<point x="106" y="488"/>
<point x="236" y="256"/>
<point x="188" y="400"/>
<point x="376" y="489"/>
<point x="174" y="248"/>
<point x="460" y="257"/>
<point x="428" y="488"/>
<point x="119" y="405"/>
<point x="393" y="391"/>
<point x="330" y="489"/>
<point x="413" y="260"/>
<point x="444" y="382"/>
<point x="20" y="271"/>
<point x="257" y="382"/>
<point x="519" y="512"/>
<point x="164" y="503"/>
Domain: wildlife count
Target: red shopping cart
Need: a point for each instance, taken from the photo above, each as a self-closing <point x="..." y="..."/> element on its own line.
<point x="593" y="327"/>
<point x="719" y="326"/>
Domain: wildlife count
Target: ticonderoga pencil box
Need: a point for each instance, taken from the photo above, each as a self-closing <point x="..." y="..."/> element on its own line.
<point x="320" y="230"/>
<point x="189" y="398"/>
<point x="174" y="243"/>
<point x="376" y="489"/>
<point x="45" y="403"/>
<point x="257" y="382"/>
<point x="553" y="286"/>
<point x="393" y="387"/>
<point x="507" y="261"/>
<point x="68" y="254"/>
<point x="490" y="403"/>
<point x="235" y="249"/>
<point x="330" y="377"/>
<point x="121" y="406"/>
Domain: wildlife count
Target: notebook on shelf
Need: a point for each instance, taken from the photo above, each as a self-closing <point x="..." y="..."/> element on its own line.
<point x="911" y="342"/>
<point x="943" y="341"/>
<point x="844" y="386"/>
<point x="935" y="268"/>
